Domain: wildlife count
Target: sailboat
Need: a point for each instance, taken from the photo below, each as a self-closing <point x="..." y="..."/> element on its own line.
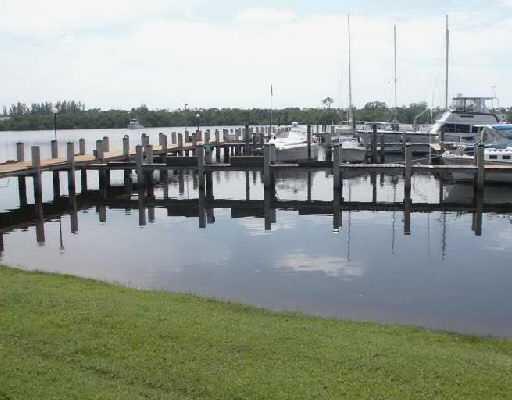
<point x="394" y="136"/>
<point x="352" y="151"/>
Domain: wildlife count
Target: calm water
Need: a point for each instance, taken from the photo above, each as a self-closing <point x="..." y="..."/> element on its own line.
<point x="442" y="276"/>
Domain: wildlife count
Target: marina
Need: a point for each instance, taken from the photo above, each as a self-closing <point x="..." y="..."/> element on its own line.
<point x="221" y="187"/>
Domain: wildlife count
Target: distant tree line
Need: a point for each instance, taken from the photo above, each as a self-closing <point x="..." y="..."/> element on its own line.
<point x="74" y="115"/>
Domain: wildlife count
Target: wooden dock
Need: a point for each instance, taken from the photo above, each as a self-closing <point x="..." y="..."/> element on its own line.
<point x="205" y="156"/>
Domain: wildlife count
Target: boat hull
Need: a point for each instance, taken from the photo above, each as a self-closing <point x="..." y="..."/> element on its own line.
<point x="353" y="155"/>
<point x="490" y="177"/>
<point x="295" y="153"/>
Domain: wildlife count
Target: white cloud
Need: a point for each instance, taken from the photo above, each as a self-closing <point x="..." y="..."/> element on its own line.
<point x="265" y="16"/>
<point x="331" y="266"/>
<point x="123" y="53"/>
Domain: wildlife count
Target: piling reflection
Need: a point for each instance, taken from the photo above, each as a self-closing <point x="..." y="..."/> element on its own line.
<point x="452" y="198"/>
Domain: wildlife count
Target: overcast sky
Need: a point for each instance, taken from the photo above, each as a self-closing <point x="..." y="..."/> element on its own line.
<point x="226" y="53"/>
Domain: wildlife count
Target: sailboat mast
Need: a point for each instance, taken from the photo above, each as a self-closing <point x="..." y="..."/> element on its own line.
<point x="447" y="62"/>
<point x="351" y="107"/>
<point x="396" y="78"/>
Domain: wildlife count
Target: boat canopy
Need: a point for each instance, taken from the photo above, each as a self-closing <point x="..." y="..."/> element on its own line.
<point x="499" y="135"/>
<point x="471" y="104"/>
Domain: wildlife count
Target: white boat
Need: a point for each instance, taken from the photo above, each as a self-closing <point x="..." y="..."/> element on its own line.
<point x="135" y="124"/>
<point x="292" y="145"/>
<point x="498" y="151"/>
<point x="351" y="150"/>
<point x="461" y="123"/>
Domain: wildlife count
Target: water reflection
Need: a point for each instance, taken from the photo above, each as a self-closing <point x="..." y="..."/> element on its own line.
<point x="302" y="246"/>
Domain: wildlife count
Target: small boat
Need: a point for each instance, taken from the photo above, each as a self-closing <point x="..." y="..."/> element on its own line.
<point x="135" y="124"/>
<point x="352" y="151"/>
<point x="292" y="144"/>
<point x="497" y="140"/>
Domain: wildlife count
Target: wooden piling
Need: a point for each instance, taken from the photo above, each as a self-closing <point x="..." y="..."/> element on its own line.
<point x="99" y="150"/>
<point x="106" y="144"/>
<point x="309" y="141"/>
<point x="200" y="165"/>
<point x="126" y="146"/>
<point x="180" y="143"/>
<point x="139" y="159"/>
<point x="374" y="144"/>
<point x="173" y="138"/>
<point x="267" y="160"/>
<point x="408" y="168"/>
<point x="382" y="149"/>
<point x="480" y="179"/>
<point x="83" y="180"/>
<point x="336" y="166"/>
<point x="22" y="190"/>
<point x="81" y="147"/>
<point x="54" y="149"/>
<point x="36" y="166"/>
<point x="20" y="152"/>
<point x="71" y="167"/>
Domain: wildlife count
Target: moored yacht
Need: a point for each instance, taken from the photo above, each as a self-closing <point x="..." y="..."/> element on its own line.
<point x="497" y="140"/>
<point x="135" y="124"/>
<point x="292" y="145"/>
<point x="461" y="122"/>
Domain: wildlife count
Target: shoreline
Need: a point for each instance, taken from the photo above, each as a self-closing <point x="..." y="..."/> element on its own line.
<point x="63" y="336"/>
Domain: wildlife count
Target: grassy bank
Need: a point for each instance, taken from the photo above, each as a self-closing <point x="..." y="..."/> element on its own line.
<point x="66" y="338"/>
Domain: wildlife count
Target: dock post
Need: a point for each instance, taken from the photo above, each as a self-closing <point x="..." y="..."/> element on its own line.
<point x="374" y="144"/>
<point x="407" y="190"/>
<point x="173" y="138"/>
<point x="81" y="147"/>
<point x="83" y="180"/>
<point x="194" y="142"/>
<point x="71" y="165"/>
<point x="479" y="199"/>
<point x="139" y="158"/>
<point x="225" y="150"/>
<point x="99" y="150"/>
<point x="337" y="187"/>
<point x="106" y="144"/>
<point x="309" y="142"/>
<point x="36" y="166"/>
<point x="149" y="158"/>
<point x="22" y="183"/>
<point x="180" y="144"/>
<point x="202" y="197"/>
<point x="200" y="166"/>
<point x="267" y="207"/>
<point x="217" y="136"/>
<point x="54" y="149"/>
<point x="144" y="139"/>
<point x="408" y="168"/>
<point x="187" y="136"/>
<point x="246" y="139"/>
<point x="382" y="149"/>
<point x="336" y="166"/>
<point x="20" y="152"/>
<point x="480" y="178"/>
<point x="267" y="160"/>
<point x="407" y="215"/>
<point x="126" y="146"/>
<point x="207" y="137"/>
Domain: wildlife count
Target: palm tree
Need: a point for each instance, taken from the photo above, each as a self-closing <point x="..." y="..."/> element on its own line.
<point x="328" y="102"/>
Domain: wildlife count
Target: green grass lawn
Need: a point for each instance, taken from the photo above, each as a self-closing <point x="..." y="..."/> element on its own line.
<point x="68" y="338"/>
